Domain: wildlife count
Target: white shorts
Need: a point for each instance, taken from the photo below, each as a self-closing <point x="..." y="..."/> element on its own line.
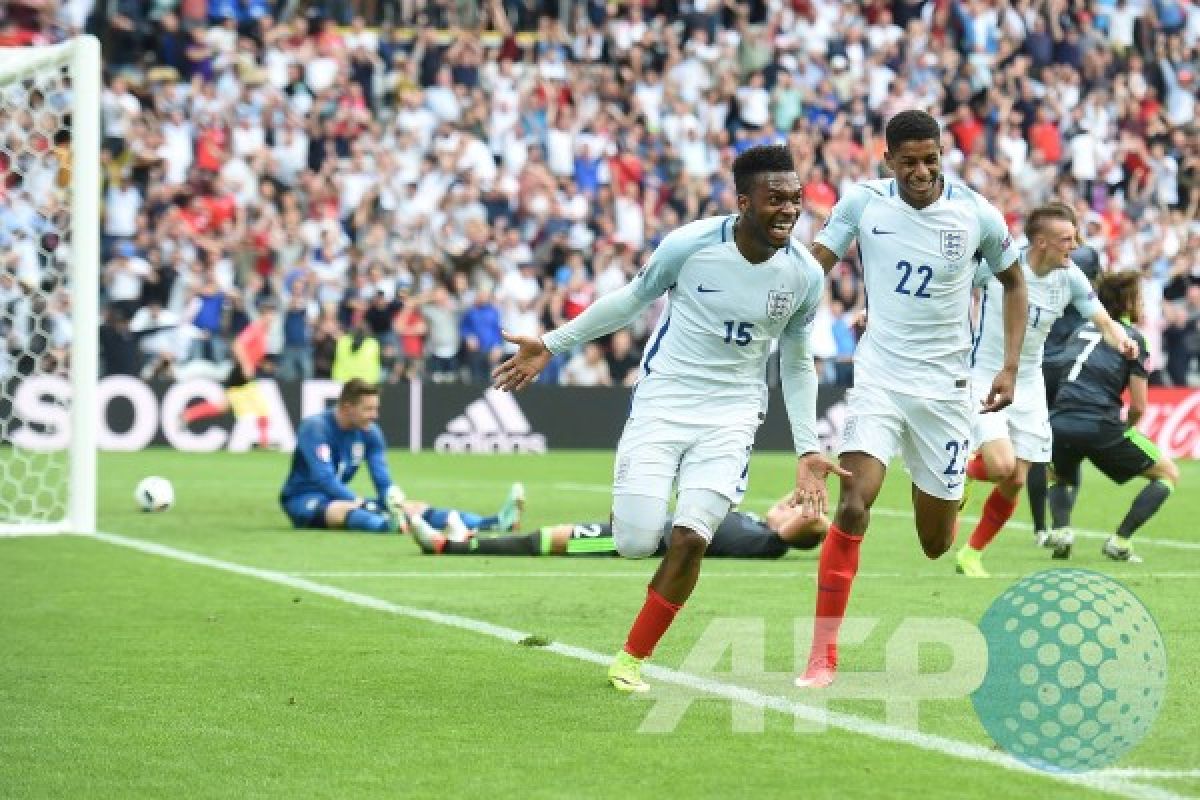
<point x="654" y="456"/>
<point x="1026" y="423"/>
<point x="933" y="435"/>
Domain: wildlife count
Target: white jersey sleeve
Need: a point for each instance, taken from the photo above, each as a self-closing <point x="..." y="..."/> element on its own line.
<point x="798" y="374"/>
<point x="842" y="226"/>
<point x="1083" y="296"/>
<point x="995" y="242"/>
<point x="618" y="308"/>
<point x="662" y="271"/>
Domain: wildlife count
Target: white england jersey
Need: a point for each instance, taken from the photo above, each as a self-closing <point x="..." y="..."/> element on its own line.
<point x="706" y="361"/>
<point x="1049" y="295"/>
<point x="919" y="266"/>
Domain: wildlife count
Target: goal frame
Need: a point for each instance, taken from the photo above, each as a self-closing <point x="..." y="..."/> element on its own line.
<point x="81" y="56"/>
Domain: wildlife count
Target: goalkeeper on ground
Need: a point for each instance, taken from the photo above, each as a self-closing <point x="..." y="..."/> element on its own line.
<point x="332" y="445"/>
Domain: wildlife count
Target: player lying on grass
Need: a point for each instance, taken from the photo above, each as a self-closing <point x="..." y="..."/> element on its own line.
<point x="739" y="535"/>
<point x="1013" y="438"/>
<point x="330" y="447"/>
<point x="1087" y="423"/>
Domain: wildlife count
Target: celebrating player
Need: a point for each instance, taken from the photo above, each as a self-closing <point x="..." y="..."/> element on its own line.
<point x="734" y="283"/>
<point x="1053" y="369"/>
<point x="332" y="444"/>
<point x="241" y="389"/>
<point x="918" y="236"/>
<point x="1086" y="420"/>
<point x="739" y="535"/>
<point x="1011" y="439"/>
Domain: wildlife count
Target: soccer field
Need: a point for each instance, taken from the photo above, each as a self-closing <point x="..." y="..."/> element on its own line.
<point x="214" y="652"/>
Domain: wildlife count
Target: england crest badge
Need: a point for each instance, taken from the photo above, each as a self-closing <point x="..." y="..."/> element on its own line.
<point x="779" y="303"/>
<point x="954" y="243"/>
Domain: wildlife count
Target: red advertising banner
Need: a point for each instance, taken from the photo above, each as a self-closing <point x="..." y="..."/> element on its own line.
<point x="1172" y="421"/>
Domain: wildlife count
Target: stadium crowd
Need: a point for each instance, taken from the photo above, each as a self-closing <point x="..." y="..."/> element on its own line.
<point x="406" y="179"/>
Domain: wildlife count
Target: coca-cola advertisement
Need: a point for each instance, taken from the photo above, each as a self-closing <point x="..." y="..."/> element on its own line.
<point x="1172" y="420"/>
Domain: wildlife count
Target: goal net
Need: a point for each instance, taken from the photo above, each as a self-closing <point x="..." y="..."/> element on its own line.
<point x="49" y="282"/>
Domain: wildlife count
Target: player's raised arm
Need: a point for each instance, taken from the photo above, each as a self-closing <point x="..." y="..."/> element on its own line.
<point x="613" y="311"/>
<point x="840" y="229"/>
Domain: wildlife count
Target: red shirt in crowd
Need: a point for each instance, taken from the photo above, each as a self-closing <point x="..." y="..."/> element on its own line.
<point x="966" y="131"/>
<point x="210" y="148"/>
<point x="252" y="341"/>
<point x="1045" y="138"/>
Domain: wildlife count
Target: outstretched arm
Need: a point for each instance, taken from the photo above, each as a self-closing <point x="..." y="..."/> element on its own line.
<point x="613" y="311"/>
<point x="1114" y="334"/>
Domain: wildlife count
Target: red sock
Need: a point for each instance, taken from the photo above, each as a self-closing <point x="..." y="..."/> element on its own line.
<point x="652" y="622"/>
<point x="996" y="511"/>
<point x="202" y="410"/>
<point x="976" y="469"/>
<point x="264" y="427"/>
<point x="835" y="575"/>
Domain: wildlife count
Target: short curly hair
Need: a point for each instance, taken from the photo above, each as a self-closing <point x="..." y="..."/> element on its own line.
<point x="911" y="126"/>
<point x="760" y="159"/>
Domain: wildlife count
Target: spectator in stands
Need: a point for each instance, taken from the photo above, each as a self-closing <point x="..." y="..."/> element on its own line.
<point x="587" y="368"/>
<point x="482" y="342"/>
<point x="445" y="339"/>
<point x="357" y="356"/>
<point x="251" y="145"/>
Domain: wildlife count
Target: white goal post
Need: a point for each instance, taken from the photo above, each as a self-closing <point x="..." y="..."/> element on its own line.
<point x="49" y="282"/>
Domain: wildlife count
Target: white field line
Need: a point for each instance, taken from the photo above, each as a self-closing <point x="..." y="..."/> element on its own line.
<point x="1119" y="785"/>
<point x="602" y="488"/>
<point x="642" y="575"/>
<point x="1159" y="774"/>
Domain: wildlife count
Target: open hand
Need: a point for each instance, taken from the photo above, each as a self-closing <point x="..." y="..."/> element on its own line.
<point x="1001" y="394"/>
<point x="518" y="370"/>
<point x="811" y="495"/>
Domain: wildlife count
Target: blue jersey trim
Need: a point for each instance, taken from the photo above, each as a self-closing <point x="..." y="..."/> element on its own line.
<point x="892" y="189"/>
<point x="982" y="319"/>
<point x="657" y="341"/>
<point x="872" y="188"/>
<point x="724" y="228"/>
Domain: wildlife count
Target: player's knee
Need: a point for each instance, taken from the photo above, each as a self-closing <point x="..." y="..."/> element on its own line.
<point x="937" y="545"/>
<point x="1014" y="483"/>
<point x="1169" y="471"/>
<point x="1002" y="468"/>
<point x="701" y="511"/>
<point x="637" y="525"/>
<point x="852" y="513"/>
<point x="687" y="545"/>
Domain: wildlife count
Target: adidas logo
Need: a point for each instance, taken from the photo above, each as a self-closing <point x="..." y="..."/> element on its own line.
<point x="492" y="424"/>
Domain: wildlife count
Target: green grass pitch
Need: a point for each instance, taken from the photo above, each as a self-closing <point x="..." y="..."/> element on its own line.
<point x="128" y="674"/>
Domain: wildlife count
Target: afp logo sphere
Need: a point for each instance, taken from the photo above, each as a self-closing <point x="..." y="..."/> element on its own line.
<point x="1077" y="670"/>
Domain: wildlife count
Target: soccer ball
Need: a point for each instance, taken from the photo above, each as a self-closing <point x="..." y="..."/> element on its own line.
<point x="154" y="494"/>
